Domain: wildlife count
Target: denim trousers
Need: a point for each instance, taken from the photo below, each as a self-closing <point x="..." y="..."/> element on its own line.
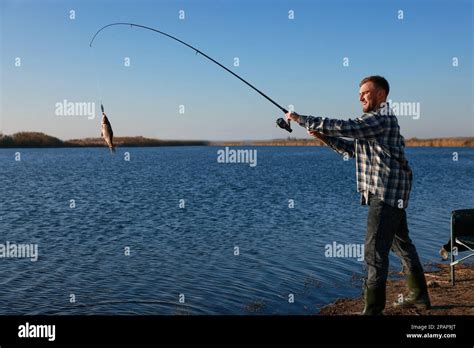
<point x="387" y="229"/>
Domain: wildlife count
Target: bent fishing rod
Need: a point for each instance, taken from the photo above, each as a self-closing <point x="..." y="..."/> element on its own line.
<point x="280" y="122"/>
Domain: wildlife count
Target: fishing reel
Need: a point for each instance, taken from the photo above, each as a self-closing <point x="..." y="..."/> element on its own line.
<point x="284" y="125"/>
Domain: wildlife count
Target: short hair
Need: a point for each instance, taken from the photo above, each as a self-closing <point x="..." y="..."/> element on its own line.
<point x="378" y="81"/>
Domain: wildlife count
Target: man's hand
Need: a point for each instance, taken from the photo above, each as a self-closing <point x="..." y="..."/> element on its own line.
<point x="318" y="135"/>
<point x="292" y="116"/>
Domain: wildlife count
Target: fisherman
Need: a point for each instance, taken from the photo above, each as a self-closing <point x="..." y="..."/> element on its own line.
<point x="107" y="132"/>
<point x="384" y="180"/>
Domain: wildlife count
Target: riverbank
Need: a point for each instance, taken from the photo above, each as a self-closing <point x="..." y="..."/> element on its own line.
<point x="413" y="142"/>
<point x="40" y="140"/>
<point x="445" y="299"/>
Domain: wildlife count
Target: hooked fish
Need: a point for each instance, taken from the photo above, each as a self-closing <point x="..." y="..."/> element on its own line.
<point x="107" y="132"/>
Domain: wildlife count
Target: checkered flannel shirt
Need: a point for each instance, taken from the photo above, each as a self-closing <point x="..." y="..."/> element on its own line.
<point x="378" y="147"/>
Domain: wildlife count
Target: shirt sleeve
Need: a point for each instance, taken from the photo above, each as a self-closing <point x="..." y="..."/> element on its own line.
<point x="341" y="146"/>
<point x="368" y="126"/>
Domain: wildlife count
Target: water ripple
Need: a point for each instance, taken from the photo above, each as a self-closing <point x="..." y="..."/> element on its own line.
<point x="135" y="206"/>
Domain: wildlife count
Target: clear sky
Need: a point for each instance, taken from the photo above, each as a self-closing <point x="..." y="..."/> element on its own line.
<point x="295" y="61"/>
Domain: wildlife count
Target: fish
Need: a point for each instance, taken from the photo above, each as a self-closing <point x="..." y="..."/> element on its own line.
<point x="107" y="132"/>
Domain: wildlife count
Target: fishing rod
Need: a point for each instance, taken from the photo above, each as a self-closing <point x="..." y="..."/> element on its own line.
<point x="280" y="122"/>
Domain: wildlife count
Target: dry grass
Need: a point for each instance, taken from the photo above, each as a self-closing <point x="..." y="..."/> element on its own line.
<point x="441" y="142"/>
<point x="413" y="142"/>
<point x="36" y="139"/>
<point x="29" y="139"/>
<point x="132" y="142"/>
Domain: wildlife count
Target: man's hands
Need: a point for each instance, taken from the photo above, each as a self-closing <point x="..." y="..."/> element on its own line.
<point x="316" y="134"/>
<point x="292" y="116"/>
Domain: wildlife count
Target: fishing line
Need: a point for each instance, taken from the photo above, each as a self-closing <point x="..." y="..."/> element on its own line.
<point x="280" y="122"/>
<point x="106" y="128"/>
<point x="97" y="76"/>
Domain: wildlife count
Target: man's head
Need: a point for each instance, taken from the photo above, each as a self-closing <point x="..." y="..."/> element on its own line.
<point x="373" y="91"/>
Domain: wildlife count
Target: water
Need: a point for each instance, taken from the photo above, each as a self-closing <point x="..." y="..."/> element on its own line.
<point x="190" y="251"/>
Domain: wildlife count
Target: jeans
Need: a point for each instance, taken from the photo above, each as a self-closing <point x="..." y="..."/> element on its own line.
<point x="387" y="229"/>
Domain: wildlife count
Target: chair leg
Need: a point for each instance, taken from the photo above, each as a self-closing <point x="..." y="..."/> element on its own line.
<point x="452" y="275"/>
<point x="452" y="254"/>
<point x="452" y="266"/>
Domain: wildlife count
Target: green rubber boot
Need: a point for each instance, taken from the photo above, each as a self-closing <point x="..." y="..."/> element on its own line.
<point x="418" y="296"/>
<point x="374" y="301"/>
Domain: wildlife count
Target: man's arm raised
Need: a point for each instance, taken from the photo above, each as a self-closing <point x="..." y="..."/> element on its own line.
<point x="367" y="128"/>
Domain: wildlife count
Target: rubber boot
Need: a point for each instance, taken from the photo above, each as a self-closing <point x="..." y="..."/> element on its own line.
<point x="374" y="301"/>
<point x="418" y="296"/>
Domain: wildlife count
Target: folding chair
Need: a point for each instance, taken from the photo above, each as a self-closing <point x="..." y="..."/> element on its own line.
<point x="462" y="233"/>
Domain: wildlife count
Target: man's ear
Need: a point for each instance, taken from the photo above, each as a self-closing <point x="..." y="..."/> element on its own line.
<point x="381" y="95"/>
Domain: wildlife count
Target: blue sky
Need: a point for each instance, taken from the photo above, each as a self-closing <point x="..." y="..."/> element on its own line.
<point x="298" y="62"/>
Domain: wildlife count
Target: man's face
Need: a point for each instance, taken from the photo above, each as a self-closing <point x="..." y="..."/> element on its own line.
<point x="370" y="96"/>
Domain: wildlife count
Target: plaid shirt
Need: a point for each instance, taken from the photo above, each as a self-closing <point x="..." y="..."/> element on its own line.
<point x="378" y="148"/>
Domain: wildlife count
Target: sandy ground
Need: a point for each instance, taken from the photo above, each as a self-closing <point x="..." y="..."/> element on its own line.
<point x="445" y="299"/>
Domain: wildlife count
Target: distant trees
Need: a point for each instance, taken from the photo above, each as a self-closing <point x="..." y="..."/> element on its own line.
<point x="441" y="142"/>
<point x="29" y="139"/>
<point x="37" y="139"/>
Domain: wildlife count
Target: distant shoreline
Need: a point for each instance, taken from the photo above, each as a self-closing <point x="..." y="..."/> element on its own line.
<point x="41" y="140"/>
<point x="413" y="142"/>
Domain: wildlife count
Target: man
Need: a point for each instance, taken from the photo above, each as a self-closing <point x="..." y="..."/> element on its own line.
<point x="384" y="180"/>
